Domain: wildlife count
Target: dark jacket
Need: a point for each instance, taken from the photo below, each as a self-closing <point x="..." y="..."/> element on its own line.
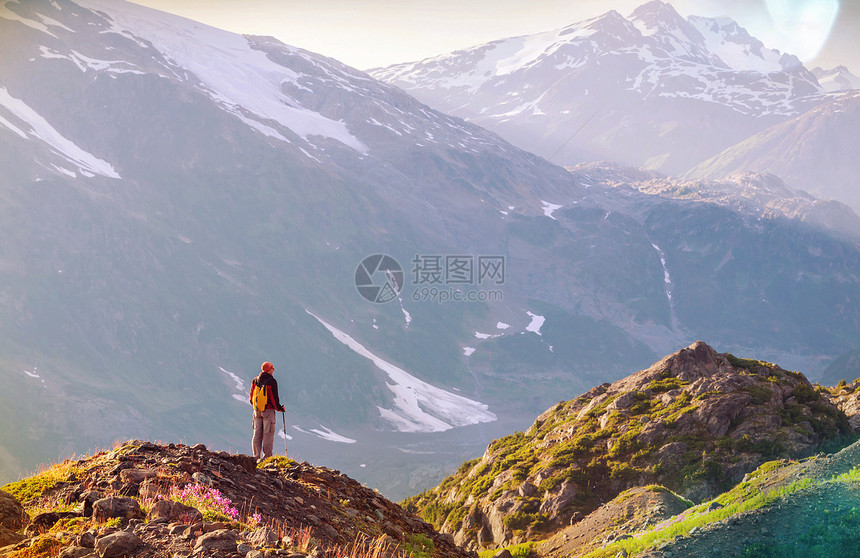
<point x="272" y="400"/>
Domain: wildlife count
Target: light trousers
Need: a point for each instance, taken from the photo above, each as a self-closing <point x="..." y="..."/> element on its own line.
<point x="264" y="433"/>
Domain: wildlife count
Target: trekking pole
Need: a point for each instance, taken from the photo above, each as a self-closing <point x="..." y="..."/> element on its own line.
<point x="284" y="418"/>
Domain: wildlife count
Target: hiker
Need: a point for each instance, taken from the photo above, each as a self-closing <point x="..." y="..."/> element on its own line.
<point x="264" y="420"/>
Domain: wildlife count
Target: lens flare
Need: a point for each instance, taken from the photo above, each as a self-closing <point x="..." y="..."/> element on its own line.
<point x="804" y="24"/>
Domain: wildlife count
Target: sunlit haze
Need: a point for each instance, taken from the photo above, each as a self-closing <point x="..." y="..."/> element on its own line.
<point x="373" y="33"/>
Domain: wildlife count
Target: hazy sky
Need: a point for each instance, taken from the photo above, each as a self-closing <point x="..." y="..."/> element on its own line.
<point x="370" y="33"/>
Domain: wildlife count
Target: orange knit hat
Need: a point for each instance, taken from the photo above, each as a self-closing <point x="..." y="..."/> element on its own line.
<point x="267" y="366"/>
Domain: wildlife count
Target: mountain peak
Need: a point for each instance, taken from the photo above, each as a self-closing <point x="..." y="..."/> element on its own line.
<point x="656" y="12"/>
<point x="696" y="422"/>
<point x="695" y="361"/>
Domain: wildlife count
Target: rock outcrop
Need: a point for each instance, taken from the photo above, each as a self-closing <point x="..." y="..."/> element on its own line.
<point x="143" y="498"/>
<point x="847" y="398"/>
<point x="696" y="422"/>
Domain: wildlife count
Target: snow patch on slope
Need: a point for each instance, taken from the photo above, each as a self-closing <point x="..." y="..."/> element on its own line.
<point x="242" y="395"/>
<point x="549" y="208"/>
<point x="85" y="63"/>
<point x="331" y="436"/>
<point x="41" y="25"/>
<point x="536" y="323"/>
<point x="418" y="406"/>
<point x="87" y="163"/>
<point x="245" y="81"/>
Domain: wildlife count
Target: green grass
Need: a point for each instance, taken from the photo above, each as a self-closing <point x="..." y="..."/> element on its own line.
<point x="698" y="517"/>
<point x="523" y="550"/>
<point x="42" y="547"/>
<point x="418" y="546"/>
<point x="748" y="363"/>
<point x="745" y="497"/>
<point x="834" y="533"/>
<point x="279" y="461"/>
<point x="33" y="487"/>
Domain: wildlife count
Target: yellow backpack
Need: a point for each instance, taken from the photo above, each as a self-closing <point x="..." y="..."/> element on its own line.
<point x="260" y="398"/>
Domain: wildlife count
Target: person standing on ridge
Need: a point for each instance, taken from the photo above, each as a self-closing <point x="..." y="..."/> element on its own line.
<point x="264" y="399"/>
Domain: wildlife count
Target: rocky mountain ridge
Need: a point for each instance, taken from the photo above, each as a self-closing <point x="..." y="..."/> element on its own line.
<point x="695" y="422"/>
<point x="813" y="151"/>
<point x="145" y="499"/>
<point x="755" y="195"/>
<point x="839" y="78"/>
<point x="652" y="89"/>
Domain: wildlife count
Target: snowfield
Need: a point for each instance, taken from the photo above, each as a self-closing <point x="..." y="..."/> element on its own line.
<point x="86" y="163"/>
<point x="417" y="406"/>
<point x="245" y="82"/>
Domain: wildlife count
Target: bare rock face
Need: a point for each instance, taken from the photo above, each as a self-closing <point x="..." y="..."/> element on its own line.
<point x="170" y="511"/>
<point x="696" y="422"/>
<point x="111" y="507"/>
<point x="847" y="397"/>
<point x="12" y="514"/>
<point x="222" y="540"/>
<point x="8" y="536"/>
<point x="118" y="545"/>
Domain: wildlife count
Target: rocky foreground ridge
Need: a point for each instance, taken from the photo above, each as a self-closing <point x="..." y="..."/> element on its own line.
<point x="149" y="500"/>
<point x="696" y="422"/>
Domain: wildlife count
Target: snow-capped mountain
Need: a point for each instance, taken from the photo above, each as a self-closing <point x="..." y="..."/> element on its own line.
<point x="839" y="78"/>
<point x="652" y="90"/>
<point x="181" y="203"/>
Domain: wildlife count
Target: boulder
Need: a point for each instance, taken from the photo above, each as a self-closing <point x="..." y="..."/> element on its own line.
<point x="202" y="478"/>
<point x="558" y="499"/>
<point x="222" y="540"/>
<point x="8" y="536"/>
<point x="87" y="539"/>
<point x="170" y="511"/>
<point x="12" y="514"/>
<point x="263" y="537"/>
<point x="75" y="552"/>
<point x="89" y="498"/>
<point x="136" y="476"/>
<point x="108" y="508"/>
<point x="118" y="545"/>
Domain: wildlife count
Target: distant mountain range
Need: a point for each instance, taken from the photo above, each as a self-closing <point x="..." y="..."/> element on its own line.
<point x="652" y="90"/>
<point x="839" y="78"/>
<point x="181" y="203"/>
<point x="816" y="149"/>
